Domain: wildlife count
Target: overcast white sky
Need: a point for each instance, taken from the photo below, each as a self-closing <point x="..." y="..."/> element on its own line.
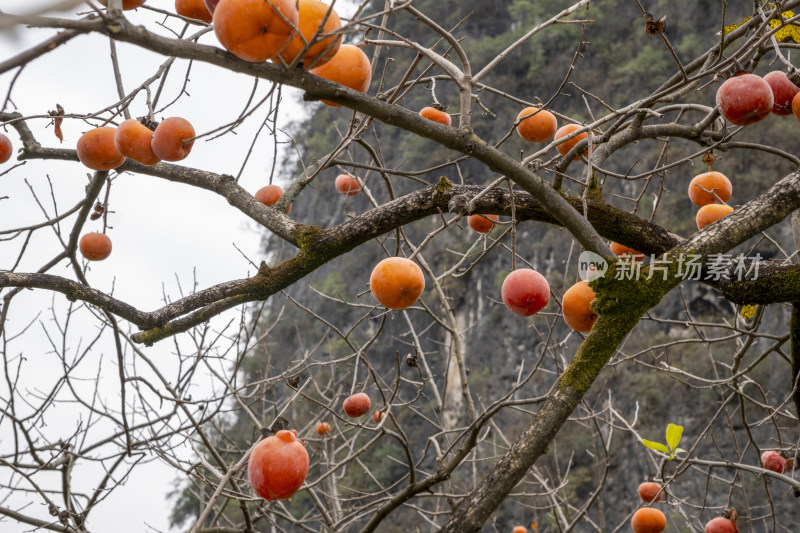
<point x="161" y="231"/>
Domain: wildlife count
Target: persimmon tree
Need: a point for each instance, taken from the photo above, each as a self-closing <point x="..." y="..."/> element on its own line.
<point x="227" y="383"/>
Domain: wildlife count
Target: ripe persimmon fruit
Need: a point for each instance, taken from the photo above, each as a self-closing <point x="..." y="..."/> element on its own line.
<point x="536" y="128"/>
<point x="711" y="213"/>
<point x="745" y="99"/>
<point x="133" y="139"/>
<point x="349" y="67"/>
<point x="772" y="460"/>
<point x="711" y="181"/>
<point x="193" y="9"/>
<point x="278" y="466"/>
<point x="96" y="149"/>
<point x="520" y="529"/>
<point x="95" y="246"/>
<point x="436" y="114"/>
<point x="566" y="146"/>
<point x="127" y="4"/>
<point x="396" y="282"/>
<point x="525" y="292"/>
<point x="576" y="307"/>
<point x="6" y="149"/>
<point x="621" y="250"/>
<point x="783" y="91"/>
<point x="482" y="223"/>
<point x="650" y="491"/>
<point x="312" y="13"/>
<point x="347" y="184"/>
<point x="270" y="194"/>
<point x="648" y="520"/>
<point x="323" y="428"/>
<point x="721" y="524"/>
<point x="377" y="416"/>
<point x="173" y="139"/>
<point x="255" y="30"/>
<point x="356" y="405"/>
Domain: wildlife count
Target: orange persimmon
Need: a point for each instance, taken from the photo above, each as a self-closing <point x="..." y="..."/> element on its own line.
<point x="576" y="306"/>
<point x="565" y="147"/>
<point x="312" y="13"/>
<point x="255" y="30"/>
<point x="396" y="282"/>
<point x="436" y="114"/>
<point x="711" y="213"/>
<point x="711" y="181"/>
<point x="96" y="149"/>
<point x="193" y="9"/>
<point x="133" y="139"/>
<point x="536" y="128"/>
<point x="349" y="67"/>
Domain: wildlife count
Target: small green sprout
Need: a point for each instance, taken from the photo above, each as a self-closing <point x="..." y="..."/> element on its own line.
<point x="674" y="433"/>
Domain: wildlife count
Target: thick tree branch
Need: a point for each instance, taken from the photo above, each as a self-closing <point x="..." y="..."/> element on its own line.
<point x="775" y="283"/>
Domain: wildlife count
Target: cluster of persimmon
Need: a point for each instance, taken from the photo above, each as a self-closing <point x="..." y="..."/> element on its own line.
<point x="290" y="32"/>
<point x="742" y="100"/>
<point x="649" y="519"/>
<point x="535" y="124"/>
<point x="302" y="32"/>
<point x="747" y="98"/>
<point x="710" y="190"/>
<point x="106" y="147"/>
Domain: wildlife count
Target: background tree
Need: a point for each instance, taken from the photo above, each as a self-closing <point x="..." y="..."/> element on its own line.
<point x="491" y="419"/>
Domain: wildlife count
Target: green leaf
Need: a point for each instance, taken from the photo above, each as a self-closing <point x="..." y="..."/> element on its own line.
<point x="657" y="446"/>
<point x="679" y="450"/>
<point x="674" y="433"/>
